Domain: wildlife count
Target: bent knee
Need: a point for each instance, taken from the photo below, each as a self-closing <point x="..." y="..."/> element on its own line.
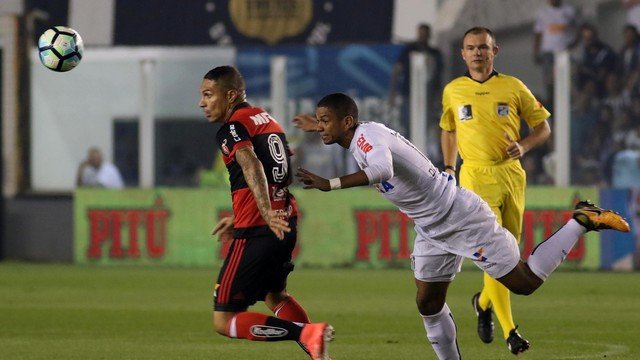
<point x="524" y="290"/>
<point x="220" y="326"/>
<point x="429" y="306"/>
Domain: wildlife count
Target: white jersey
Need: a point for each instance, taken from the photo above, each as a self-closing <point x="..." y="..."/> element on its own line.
<point x="403" y="174"/>
<point x="556" y="25"/>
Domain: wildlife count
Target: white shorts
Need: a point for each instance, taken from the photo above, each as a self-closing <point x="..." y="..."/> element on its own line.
<point x="470" y="230"/>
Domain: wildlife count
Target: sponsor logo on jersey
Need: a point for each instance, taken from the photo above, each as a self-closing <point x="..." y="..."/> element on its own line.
<point x="503" y="109"/>
<point x="465" y="113"/>
<point x="478" y="255"/>
<point x="234" y="133"/>
<point x="262" y="118"/>
<point x="363" y="144"/>
<point x="384" y="187"/>
<point x="481" y="93"/>
<point x="268" y="331"/>
<point x="225" y="148"/>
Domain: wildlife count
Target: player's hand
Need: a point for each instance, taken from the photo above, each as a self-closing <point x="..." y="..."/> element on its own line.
<point x="224" y="229"/>
<point x="306" y="123"/>
<point x="312" y="181"/>
<point x="278" y="221"/>
<point x="514" y="149"/>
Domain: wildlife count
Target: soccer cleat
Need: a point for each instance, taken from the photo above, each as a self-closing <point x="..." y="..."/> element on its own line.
<point x="315" y="338"/>
<point x="595" y="218"/>
<point x="485" y="322"/>
<point x="516" y="343"/>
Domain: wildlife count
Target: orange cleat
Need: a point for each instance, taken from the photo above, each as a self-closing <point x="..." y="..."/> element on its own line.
<point x="315" y="338"/>
<point x="595" y="218"/>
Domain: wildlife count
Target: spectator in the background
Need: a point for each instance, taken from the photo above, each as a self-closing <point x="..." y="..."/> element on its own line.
<point x="94" y="171"/>
<point x="400" y="76"/>
<point x="630" y="53"/>
<point x="629" y="67"/>
<point x="615" y="94"/>
<point x="554" y="30"/>
<point x="626" y="169"/>
<point x="584" y="114"/>
<point x="633" y="12"/>
<point x="597" y="60"/>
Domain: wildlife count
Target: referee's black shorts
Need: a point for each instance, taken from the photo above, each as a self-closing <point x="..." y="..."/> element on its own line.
<point x="254" y="267"/>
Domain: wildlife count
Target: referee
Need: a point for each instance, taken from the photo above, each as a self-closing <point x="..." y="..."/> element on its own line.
<point x="481" y="114"/>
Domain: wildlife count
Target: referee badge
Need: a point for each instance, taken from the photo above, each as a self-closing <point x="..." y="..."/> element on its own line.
<point x="465" y="113"/>
<point x="503" y="109"/>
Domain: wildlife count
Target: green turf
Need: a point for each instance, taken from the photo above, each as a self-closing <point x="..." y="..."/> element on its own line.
<point x="69" y="312"/>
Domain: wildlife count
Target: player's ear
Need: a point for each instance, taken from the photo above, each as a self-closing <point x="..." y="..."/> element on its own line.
<point x="232" y="95"/>
<point x="349" y="121"/>
<point x="495" y="50"/>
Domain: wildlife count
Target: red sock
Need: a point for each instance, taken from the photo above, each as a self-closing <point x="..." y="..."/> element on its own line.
<point x="289" y="309"/>
<point x="259" y="327"/>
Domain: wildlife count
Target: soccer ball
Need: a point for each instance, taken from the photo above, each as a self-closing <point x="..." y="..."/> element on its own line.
<point x="60" y="48"/>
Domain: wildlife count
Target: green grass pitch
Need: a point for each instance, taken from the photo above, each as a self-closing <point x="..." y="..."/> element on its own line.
<point x="72" y="312"/>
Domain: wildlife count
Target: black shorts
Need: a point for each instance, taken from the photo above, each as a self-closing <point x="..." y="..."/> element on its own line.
<point x="254" y="267"/>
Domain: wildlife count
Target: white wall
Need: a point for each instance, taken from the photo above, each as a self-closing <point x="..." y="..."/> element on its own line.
<point x="408" y="14"/>
<point x="73" y="111"/>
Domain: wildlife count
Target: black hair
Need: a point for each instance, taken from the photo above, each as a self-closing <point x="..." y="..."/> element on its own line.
<point x="227" y="77"/>
<point x="425" y="26"/>
<point x="481" y="30"/>
<point x="341" y="104"/>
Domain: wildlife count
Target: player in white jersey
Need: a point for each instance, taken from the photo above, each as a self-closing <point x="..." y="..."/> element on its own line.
<point x="451" y="223"/>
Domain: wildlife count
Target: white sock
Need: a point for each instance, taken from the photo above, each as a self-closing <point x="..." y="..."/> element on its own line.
<point x="441" y="332"/>
<point x="548" y="255"/>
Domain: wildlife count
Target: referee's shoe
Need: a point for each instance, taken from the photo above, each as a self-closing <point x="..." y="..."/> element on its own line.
<point x="595" y="218"/>
<point x="485" y="321"/>
<point x="516" y="343"/>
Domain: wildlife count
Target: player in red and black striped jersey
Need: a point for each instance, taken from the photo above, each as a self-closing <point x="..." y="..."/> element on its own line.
<point x="263" y="228"/>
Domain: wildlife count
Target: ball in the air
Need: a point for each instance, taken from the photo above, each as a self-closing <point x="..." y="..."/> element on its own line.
<point x="60" y="48"/>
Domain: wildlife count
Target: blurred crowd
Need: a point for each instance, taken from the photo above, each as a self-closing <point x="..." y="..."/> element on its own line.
<point x="605" y="101"/>
<point x="605" y="114"/>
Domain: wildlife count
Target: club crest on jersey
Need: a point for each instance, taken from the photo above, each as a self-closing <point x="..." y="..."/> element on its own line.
<point x="503" y="109"/>
<point x="363" y="144"/>
<point x="465" y="113"/>
<point x="268" y="331"/>
<point x="225" y="148"/>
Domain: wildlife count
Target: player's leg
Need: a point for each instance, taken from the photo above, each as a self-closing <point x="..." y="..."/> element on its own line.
<point x="437" y="318"/>
<point x="285" y="306"/>
<point x="244" y="279"/>
<point x="433" y="270"/>
<point x="513" y="179"/>
<point x="278" y="300"/>
<point x="483" y="181"/>
<point x="525" y="278"/>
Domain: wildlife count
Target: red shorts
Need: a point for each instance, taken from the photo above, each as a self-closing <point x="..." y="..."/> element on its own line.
<point x="254" y="267"/>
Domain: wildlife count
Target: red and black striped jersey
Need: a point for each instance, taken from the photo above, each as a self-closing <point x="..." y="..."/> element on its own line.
<point x="252" y="126"/>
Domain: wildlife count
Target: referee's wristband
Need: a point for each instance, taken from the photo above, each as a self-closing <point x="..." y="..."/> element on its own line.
<point x="335" y="183"/>
<point x="449" y="167"/>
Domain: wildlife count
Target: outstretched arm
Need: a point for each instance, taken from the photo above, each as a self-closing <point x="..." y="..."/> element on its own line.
<point x="306" y="123"/>
<point x="313" y="181"/>
<point x="257" y="181"/>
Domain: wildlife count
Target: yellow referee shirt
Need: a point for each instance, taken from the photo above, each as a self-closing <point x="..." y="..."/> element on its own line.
<point x="482" y="113"/>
